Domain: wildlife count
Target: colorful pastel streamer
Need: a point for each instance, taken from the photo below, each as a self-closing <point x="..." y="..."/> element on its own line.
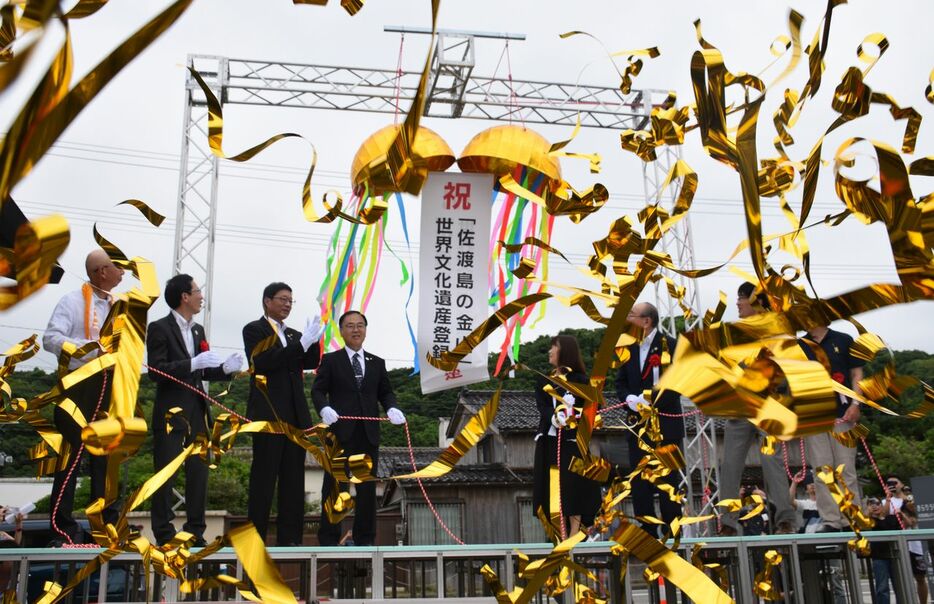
<point x="353" y="260"/>
<point x="513" y="226"/>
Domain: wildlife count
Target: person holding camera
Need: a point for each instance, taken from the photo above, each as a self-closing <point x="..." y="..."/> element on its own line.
<point x="895" y="497"/>
<point x="758" y="524"/>
<point x="889" y="516"/>
<point x="881" y="552"/>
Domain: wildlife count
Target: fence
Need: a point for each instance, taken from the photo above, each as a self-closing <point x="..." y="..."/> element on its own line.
<point x="816" y="568"/>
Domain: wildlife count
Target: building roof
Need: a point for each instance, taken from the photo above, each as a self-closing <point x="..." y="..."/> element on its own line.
<point x="483" y="475"/>
<point x="394" y="461"/>
<point x="518" y="413"/>
<point x="517" y="410"/>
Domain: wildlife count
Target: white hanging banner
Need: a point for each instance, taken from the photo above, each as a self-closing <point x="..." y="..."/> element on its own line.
<point x="453" y="285"/>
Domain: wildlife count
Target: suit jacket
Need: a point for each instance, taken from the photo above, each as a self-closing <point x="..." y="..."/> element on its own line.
<point x="336" y="386"/>
<point x="166" y="352"/>
<point x="282" y="367"/>
<point x="629" y="380"/>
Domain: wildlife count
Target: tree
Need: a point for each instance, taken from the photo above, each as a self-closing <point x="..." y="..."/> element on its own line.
<point x="898" y="443"/>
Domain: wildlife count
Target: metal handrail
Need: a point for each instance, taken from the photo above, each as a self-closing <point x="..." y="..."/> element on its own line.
<point x="326" y="566"/>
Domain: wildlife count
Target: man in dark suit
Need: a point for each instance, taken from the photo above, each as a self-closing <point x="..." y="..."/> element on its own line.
<point x="176" y="347"/>
<point x="281" y="355"/>
<point x="640" y="373"/>
<point x="351" y="382"/>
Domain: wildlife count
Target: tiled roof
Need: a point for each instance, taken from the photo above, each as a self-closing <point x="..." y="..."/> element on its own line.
<point x="517" y="410"/>
<point x="486" y="474"/>
<point x="395" y="461"/>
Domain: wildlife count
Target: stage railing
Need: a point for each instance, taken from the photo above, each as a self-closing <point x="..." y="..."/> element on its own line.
<point x="815" y="568"/>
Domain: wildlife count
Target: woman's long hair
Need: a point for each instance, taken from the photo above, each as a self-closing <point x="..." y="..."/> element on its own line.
<point x="569" y="353"/>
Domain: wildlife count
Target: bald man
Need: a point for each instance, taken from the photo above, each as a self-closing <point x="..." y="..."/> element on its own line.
<point x="77" y="319"/>
<point x="636" y="377"/>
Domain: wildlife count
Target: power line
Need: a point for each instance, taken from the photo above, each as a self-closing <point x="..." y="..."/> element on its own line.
<point x="344" y="176"/>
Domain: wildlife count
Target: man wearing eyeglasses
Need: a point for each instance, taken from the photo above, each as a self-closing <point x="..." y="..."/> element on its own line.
<point x="78" y="319"/>
<point x="280" y="355"/>
<point x="179" y="360"/>
<point x="352" y="382"/>
<point x="647" y="360"/>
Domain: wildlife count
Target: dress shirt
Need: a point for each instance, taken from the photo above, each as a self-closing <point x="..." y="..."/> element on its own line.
<point x="67" y="325"/>
<point x="279" y="328"/>
<point x="644" y="353"/>
<point x="350" y="353"/>
<point x="185" y="327"/>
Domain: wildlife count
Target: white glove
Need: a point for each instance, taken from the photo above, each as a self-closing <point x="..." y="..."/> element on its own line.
<point x="312" y="332"/>
<point x="206" y="359"/>
<point x="233" y="363"/>
<point x="395" y="416"/>
<point x="632" y="401"/>
<point x="559" y="419"/>
<point x="569" y="399"/>
<point x="329" y="416"/>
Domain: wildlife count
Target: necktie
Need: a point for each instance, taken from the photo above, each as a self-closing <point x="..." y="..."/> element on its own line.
<point x="357" y="370"/>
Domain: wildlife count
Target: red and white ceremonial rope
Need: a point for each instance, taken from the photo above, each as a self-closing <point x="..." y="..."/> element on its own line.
<point x="74" y="464"/>
<point x="408" y="438"/>
<point x="560" y="494"/>
<point x="885" y="488"/>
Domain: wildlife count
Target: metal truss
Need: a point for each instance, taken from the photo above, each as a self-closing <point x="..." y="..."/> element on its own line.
<point x="196" y="213"/>
<point x="700" y="442"/>
<point x="454" y="92"/>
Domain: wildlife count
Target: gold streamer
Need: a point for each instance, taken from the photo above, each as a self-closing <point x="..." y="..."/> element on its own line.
<point x="53" y="107"/>
<point x="849" y="506"/>
<point x="469" y="436"/>
<point x="447" y="361"/>
<point x="763" y="585"/>
<point x="259" y="566"/>
<point x="154" y="218"/>
<point x="36" y="248"/>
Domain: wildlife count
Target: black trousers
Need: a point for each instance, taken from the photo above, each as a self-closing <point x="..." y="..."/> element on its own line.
<point x="277" y="460"/>
<point x="167" y="447"/>
<point x="364" y="519"/>
<point x="86" y="396"/>
<point x="643" y="491"/>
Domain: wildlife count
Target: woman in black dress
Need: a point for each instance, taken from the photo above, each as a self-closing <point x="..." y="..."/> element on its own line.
<point x="580" y="497"/>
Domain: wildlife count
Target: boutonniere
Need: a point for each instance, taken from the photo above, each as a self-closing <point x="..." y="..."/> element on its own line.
<point x="204" y="346"/>
<point x="653" y="361"/>
<point x="837" y="377"/>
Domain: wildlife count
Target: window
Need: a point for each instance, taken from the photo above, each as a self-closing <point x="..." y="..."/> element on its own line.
<point x="530" y="528"/>
<point x="486" y="450"/>
<point x="424" y="529"/>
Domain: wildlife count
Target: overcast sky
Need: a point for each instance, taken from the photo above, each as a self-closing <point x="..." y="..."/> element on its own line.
<point x="126" y="144"/>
